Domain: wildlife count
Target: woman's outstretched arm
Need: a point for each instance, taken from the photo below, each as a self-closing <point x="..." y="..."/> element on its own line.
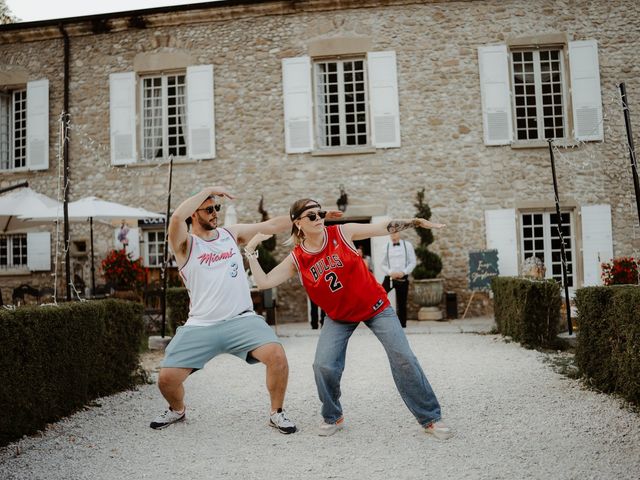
<point x="282" y="272"/>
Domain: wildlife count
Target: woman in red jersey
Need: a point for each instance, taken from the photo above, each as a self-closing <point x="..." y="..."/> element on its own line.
<point x="338" y="281"/>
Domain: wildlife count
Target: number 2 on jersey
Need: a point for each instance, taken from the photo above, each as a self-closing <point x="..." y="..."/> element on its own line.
<point x="332" y="279"/>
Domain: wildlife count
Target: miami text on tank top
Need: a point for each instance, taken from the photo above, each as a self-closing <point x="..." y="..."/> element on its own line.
<point x="338" y="280"/>
<point x="215" y="278"/>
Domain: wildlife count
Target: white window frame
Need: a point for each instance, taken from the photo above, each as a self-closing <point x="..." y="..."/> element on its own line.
<point x="7" y="262"/>
<point x="321" y="138"/>
<point x="14" y="132"/>
<point x="538" y="86"/>
<point x="549" y="231"/>
<point x="164" y="79"/>
<point x="159" y="243"/>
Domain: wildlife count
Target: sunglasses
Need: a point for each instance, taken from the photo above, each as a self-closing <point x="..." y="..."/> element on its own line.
<point x="210" y="208"/>
<point x="313" y="215"/>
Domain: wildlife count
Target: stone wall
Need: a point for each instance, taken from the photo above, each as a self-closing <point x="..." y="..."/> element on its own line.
<point x="440" y="114"/>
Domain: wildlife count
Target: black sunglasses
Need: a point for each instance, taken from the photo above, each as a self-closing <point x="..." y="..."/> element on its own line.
<point x="313" y="215"/>
<point x="210" y="208"/>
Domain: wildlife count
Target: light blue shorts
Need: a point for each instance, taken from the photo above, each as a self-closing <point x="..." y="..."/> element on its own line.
<point x="195" y="345"/>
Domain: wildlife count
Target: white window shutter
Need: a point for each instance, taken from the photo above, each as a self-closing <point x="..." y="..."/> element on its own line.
<point x="39" y="251"/>
<point x="122" y="105"/>
<point x="585" y="90"/>
<point x="298" y="104"/>
<point x="38" y="125"/>
<point x="495" y="92"/>
<point x="383" y="98"/>
<point x="501" y="234"/>
<point x="201" y="142"/>
<point x="597" y="241"/>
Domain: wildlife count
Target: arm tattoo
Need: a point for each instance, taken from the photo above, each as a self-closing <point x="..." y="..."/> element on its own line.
<point x="398" y="225"/>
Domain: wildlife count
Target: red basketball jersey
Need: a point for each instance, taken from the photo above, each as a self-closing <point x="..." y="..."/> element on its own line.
<point x="338" y="280"/>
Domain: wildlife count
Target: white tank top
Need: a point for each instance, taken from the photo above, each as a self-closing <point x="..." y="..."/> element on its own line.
<point x="215" y="278"/>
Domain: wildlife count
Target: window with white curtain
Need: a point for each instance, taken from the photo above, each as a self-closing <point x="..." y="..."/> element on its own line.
<point x="13" y="251"/>
<point x="164" y="119"/>
<point x="13" y="130"/>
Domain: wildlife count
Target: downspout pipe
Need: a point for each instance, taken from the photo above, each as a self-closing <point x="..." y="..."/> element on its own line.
<point x="65" y="160"/>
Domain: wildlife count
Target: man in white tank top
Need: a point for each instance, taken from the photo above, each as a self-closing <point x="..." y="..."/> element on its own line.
<point x="221" y="316"/>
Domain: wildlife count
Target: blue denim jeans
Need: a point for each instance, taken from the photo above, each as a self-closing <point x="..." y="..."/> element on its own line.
<point x="407" y="373"/>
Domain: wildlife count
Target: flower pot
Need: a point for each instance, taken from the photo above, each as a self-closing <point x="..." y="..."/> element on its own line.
<point x="428" y="294"/>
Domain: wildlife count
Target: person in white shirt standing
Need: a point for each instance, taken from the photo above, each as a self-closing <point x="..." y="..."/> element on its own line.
<point x="398" y="263"/>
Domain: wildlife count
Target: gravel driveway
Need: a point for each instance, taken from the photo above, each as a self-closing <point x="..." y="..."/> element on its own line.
<point x="514" y="418"/>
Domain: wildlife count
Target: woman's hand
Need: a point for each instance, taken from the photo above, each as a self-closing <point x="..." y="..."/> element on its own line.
<point x="257" y="239"/>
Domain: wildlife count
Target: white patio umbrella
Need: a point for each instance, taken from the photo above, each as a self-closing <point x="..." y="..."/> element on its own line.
<point x="93" y="208"/>
<point x="19" y="203"/>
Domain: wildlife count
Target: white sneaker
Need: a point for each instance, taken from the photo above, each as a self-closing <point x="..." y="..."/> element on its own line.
<point x="439" y="430"/>
<point x="167" y="418"/>
<point x="328" y="429"/>
<point x="280" y="421"/>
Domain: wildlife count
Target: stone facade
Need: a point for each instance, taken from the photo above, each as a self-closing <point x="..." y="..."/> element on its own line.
<point x="442" y="147"/>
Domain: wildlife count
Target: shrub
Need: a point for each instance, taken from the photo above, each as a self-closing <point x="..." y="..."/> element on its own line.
<point x="429" y="264"/>
<point x="620" y="271"/>
<point x="527" y="310"/>
<point x="608" y="346"/>
<point x="56" y="359"/>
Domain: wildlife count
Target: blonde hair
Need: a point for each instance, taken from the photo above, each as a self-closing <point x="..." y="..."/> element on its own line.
<point x="297" y="208"/>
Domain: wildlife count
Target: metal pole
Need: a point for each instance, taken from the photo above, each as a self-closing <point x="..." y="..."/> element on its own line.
<point x="65" y="169"/>
<point x="632" y="152"/>
<point x="13" y="187"/>
<point x="567" y="303"/>
<point x="93" y="268"/>
<point x="165" y="259"/>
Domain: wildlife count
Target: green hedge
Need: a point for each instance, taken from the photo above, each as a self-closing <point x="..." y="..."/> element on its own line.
<point x="527" y="310"/>
<point x="57" y="358"/>
<point x="608" y="341"/>
<point x="177" y="307"/>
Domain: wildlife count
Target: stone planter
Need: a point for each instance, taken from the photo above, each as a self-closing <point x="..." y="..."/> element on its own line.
<point x="428" y="294"/>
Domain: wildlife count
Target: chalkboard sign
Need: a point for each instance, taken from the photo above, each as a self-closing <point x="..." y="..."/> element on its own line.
<point x="483" y="265"/>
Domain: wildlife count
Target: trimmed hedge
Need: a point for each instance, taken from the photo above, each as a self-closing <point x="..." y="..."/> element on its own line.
<point x="527" y="310"/>
<point x="55" y="359"/>
<point x="177" y="307"/>
<point x="608" y="341"/>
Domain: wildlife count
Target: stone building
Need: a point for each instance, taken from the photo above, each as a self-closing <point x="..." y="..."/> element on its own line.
<point x="377" y="99"/>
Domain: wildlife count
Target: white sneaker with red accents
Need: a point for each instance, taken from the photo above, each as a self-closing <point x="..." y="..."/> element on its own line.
<point x="327" y="429"/>
<point x="439" y="429"/>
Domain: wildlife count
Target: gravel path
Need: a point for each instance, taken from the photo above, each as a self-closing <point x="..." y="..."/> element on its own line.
<point x="514" y="418"/>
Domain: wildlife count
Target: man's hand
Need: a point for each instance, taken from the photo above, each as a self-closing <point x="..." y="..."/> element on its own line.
<point x="396" y="275"/>
<point x="422" y="223"/>
<point x="334" y="214"/>
<point x="220" y="192"/>
<point x="257" y="239"/>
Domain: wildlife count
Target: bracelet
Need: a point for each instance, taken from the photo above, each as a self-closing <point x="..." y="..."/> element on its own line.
<point x="249" y="254"/>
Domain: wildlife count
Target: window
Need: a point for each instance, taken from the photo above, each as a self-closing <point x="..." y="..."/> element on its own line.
<point x="550" y="92"/>
<point x="341" y="103"/>
<point x="163" y="117"/>
<point x="154" y="253"/>
<point x="13" y="251"/>
<point x="13" y="130"/>
<point x="540" y="239"/>
<point x="538" y="93"/>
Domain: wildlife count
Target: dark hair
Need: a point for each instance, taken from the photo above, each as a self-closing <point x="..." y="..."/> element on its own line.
<point x="297" y="208"/>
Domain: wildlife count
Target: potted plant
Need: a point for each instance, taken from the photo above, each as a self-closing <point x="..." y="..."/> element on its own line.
<point x="428" y="289"/>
